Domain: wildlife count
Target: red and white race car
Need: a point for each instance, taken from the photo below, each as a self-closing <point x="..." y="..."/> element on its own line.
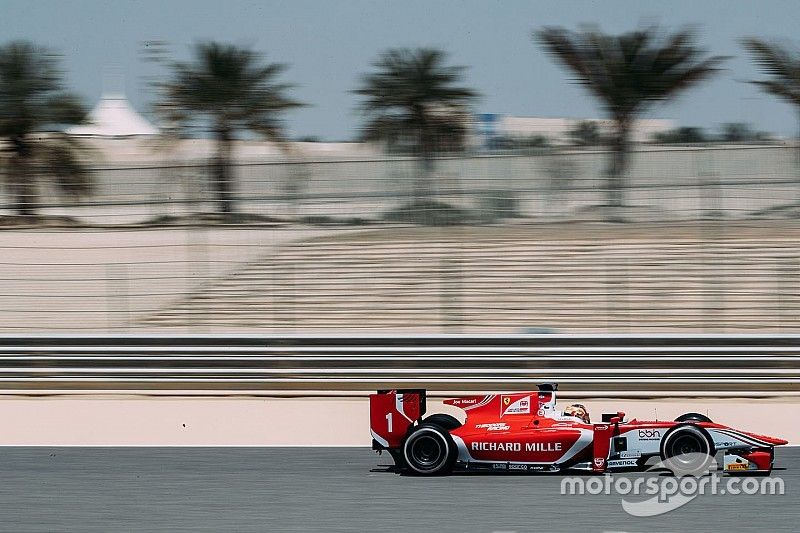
<point x="525" y="432"/>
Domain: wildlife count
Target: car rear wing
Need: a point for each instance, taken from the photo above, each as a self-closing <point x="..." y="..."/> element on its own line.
<point x="392" y="413"/>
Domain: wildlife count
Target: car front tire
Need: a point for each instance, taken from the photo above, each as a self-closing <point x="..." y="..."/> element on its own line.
<point x="692" y="417"/>
<point x="687" y="450"/>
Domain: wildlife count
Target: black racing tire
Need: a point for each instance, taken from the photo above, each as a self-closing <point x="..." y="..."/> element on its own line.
<point x="692" y="417"/>
<point x="448" y="422"/>
<point x="429" y="451"/>
<point x="687" y="449"/>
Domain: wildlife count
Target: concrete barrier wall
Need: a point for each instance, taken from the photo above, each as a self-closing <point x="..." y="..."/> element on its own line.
<point x="589" y="365"/>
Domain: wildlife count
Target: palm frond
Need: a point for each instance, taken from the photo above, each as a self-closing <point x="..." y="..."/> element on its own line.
<point x="60" y="161"/>
<point x="65" y="109"/>
<point x="227" y="87"/>
<point x="630" y="71"/>
<point x="413" y="97"/>
<point x="33" y="103"/>
<point x="781" y="64"/>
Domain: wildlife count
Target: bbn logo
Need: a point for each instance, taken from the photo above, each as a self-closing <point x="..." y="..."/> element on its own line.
<point x="649" y="434"/>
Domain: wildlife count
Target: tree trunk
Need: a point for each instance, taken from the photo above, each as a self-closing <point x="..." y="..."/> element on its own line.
<point x="797" y="163"/>
<point x="223" y="175"/>
<point x="422" y="186"/>
<point x="21" y="180"/>
<point x="615" y="175"/>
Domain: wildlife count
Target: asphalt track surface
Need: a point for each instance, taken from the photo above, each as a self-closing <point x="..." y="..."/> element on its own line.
<point x="330" y="489"/>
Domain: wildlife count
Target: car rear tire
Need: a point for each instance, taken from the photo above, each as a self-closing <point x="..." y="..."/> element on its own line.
<point x="448" y="422"/>
<point x="687" y="450"/>
<point x="429" y="450"/>
<point x="692" y="417"/>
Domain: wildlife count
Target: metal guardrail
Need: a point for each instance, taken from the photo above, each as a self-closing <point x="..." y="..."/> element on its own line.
<point x="596" y="365"/>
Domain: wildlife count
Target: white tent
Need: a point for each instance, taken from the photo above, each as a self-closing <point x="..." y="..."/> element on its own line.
<point x="113" y="116"/>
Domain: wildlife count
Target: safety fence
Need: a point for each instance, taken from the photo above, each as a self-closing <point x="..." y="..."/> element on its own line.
<point x="586" y="365"/>
<point x="662" y="184"/>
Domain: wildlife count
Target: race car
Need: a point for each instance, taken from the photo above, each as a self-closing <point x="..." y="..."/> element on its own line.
<point x="525" y="431"/>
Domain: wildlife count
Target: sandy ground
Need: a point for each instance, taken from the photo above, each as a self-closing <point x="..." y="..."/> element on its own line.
<point x="137" y="421"/>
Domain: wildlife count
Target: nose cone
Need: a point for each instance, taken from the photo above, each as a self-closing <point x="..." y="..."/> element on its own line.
<point x="774" y="441"/>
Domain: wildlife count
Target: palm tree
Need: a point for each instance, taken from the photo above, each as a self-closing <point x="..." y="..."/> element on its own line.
<point x="782" y="65"/>
<point x="628" y="73"/>
<point x="586" y="133"/>
<point x="33" y="107"/>
<point x="227" y="89"/>
<point x="413" y="100"/>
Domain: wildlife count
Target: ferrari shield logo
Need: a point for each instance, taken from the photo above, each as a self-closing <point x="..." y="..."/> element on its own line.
<point x="521" y="406"/>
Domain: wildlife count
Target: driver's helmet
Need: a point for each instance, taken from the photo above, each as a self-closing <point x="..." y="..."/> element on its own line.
<point x="577" y="410"/>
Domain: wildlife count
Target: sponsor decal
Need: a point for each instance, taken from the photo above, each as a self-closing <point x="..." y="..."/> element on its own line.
<point x="735" y="462"/>
<point x="622" y="462"/>
<point x="521" y="406"/>
<point x="540" y="412"/>
<point x="518" y="467"/>
<point x="599" y="462"/>
<point x="515" y="446"/>
<point x="496" y="446"/>
<point x="542" y="446"/>
<point x="498" y="426"/>
<point x="633" y="454"/>
<point x="465" y="402"/>
<point x="600" y="428"/>
<point x="569" y="420"/>
<point x="649" y="434"/>
<point x="724" y="444"/>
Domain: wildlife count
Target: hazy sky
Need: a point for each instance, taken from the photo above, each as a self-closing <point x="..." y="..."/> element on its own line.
<point x="330" y="42"/>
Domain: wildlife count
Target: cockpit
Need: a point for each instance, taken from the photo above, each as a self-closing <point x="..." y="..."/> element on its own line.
<point x="547" y="405"/>
<point x="578" y="410"/>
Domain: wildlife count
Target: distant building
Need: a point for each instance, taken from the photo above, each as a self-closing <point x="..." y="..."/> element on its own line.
<point x="114" y="117"/>
<point x="557" y="130"/>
